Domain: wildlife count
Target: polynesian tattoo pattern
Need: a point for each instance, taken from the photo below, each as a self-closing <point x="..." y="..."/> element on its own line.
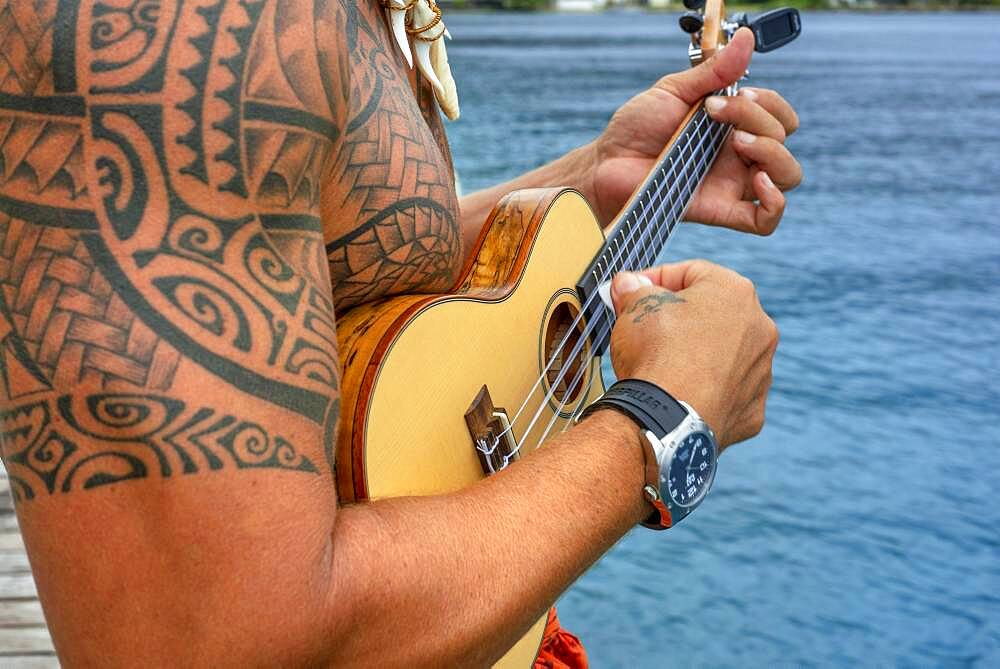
<point x="139" y="436"/>
<point x="390" y="177"/>
<point x="163" y="171"/>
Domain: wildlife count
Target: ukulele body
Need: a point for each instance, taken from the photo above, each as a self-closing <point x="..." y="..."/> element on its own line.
<point x="415" y="364"/>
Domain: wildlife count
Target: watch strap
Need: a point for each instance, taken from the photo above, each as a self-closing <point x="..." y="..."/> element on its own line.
<point x="648" y="404"/>
<point x="657" y="414"/>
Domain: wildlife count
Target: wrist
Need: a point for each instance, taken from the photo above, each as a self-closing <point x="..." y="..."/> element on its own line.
<point x="679" y="448"/>
<point x="697" y="395"/>
<point x="624" y="437"/>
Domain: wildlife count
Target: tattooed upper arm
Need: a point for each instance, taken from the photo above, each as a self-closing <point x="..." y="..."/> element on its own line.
<point x="168" y="366"/>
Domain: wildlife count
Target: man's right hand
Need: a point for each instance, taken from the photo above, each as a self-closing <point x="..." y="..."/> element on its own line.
<point x="697" y="330"/>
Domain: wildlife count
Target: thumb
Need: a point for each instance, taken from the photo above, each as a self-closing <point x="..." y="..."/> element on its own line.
<point x="627" y="287"/>
<point x="722" y="69"/>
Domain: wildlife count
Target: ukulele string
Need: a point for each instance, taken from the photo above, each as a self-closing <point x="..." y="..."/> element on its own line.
<point x="581" y="406"/>
<point x="690" y="185"/>
<point x="630" y="236"/>
<point x="718" y="135"/>
<point x="572" y="386"/>
<point x="729" y="90"/>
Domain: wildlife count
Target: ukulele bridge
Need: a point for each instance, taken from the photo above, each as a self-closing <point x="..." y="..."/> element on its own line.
<point x="491" y="432"/>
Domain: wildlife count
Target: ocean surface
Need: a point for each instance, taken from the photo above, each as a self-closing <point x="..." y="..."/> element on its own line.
<point x="862" y="527"/>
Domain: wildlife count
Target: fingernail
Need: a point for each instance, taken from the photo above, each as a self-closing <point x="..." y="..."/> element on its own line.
<point x="767" y="180"/>
<point x="626" y="283"/>
<point x="744" y="137"/>
<point x="629" y="282"/>
<point x="715" y="103"/>
<point x="748" y="93"/>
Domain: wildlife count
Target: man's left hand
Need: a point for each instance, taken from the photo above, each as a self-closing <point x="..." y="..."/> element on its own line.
<point x="743" y="190"/>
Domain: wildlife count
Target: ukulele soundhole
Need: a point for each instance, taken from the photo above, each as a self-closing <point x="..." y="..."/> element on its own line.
<point x="567" y="376"/>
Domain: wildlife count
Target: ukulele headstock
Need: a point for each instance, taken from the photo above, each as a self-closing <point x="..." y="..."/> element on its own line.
<point x="711" y="28"/>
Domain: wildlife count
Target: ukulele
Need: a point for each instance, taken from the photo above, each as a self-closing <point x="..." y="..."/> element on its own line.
<point x="512" y="354"/>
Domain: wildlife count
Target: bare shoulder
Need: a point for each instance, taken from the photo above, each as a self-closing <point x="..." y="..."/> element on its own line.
<point x="390" y="207"/>
<point x="142" y="146"/>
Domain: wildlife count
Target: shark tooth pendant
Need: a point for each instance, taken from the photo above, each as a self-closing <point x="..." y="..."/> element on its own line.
<point x="422" y="20"/>
<point x="396" y="11"/>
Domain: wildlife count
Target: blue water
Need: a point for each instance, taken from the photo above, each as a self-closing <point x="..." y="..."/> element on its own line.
<point x="862" y="527"/>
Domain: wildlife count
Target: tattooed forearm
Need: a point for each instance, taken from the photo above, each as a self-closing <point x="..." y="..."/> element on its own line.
<point x="652" y="304"/>
<point x="77" y="442"/>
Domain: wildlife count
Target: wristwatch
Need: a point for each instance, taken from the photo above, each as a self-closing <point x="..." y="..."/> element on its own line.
<point x="679" y="447"/>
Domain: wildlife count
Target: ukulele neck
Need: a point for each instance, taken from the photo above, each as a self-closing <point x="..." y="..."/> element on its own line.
<point x="640" y="232"/>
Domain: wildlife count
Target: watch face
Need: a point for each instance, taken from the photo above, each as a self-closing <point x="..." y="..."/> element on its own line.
<point x="691" y="470"/>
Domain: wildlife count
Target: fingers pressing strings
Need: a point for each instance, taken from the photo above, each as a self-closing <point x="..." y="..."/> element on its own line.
<point x="770" y="156"/>
<point x="760" y="217"/>
<point x="775" y="105"/>
<point x="745" y="114"/>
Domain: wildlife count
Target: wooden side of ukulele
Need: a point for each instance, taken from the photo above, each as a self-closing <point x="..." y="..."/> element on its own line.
<point x="414" y="364"/>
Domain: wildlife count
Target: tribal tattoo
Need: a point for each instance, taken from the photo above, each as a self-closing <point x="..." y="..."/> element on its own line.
<point x="392" y="177"/>
<point x="652" y="304"/>
<point x="79" y="442"/>
<point x="178" y="183"/>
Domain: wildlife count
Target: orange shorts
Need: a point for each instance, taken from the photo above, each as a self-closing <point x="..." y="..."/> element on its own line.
<point x="560" y="649"/>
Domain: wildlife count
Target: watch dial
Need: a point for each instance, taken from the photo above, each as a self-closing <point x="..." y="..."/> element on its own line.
<point x="691" y="470"/>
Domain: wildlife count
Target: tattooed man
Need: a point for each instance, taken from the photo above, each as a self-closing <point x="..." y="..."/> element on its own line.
<point x="189" y="190"/>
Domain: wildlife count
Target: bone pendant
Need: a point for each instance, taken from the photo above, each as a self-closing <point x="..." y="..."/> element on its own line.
<point x="397" y="19"/>
<point x="447" y="95"/>
<point x="432" y="59"/>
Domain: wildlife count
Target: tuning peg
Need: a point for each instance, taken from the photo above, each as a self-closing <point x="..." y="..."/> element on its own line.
<point x="691" y="22"/>
<point x="775" y="28"/>
<point x="694" y="4"/>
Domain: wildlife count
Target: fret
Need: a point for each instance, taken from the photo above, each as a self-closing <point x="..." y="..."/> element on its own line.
<point x="644" y="226"/>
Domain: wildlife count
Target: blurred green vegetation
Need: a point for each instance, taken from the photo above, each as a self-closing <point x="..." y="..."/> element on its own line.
<point x="750" y="5"/>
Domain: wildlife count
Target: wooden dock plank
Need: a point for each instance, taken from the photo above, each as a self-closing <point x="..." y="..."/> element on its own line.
<point x="8" y="523"/>
<point x="20" y="640"/>
<point x="11" y="541"/>
<point x="19" y="613"/>
<point x="17" y="586"/>
<point x="24" y="639"/>
<point x="28" y="662"/>
<point x="6" y="501"/>
<point x="14" y="562"/>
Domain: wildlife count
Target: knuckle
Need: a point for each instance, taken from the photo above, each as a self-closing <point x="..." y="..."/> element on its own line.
<point x="797" y="181"/>
<point x="744" y="285"/>
<point x="776" y="212"/>
<point x="793" y="123"/>
<point x="773" y="335"/>
<point x="703" y="266"/>
<point x="768" y="225"/>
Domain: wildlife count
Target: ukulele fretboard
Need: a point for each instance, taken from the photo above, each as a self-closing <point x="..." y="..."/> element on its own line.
<point x="642" y="229"/>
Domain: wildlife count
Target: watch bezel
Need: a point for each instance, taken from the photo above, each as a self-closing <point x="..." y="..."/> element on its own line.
<point x="665" y="492"/>
<point x="671" y="442"/>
